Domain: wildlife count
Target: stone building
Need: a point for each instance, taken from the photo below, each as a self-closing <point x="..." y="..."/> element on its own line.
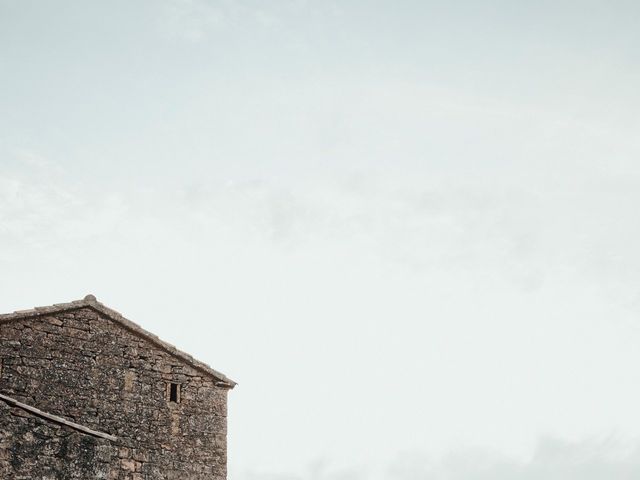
<point x="87" y="394"/>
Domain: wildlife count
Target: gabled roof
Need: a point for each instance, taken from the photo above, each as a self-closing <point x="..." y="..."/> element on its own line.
<point x="90" y="302"/>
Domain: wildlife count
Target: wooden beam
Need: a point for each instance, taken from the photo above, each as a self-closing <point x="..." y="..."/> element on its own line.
<point x="56" y="419"/>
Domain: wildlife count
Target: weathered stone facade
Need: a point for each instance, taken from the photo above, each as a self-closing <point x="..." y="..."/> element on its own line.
<point x="86" y="394"/>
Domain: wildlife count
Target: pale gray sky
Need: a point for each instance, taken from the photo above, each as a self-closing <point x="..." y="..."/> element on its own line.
<point x="408" y="229"/>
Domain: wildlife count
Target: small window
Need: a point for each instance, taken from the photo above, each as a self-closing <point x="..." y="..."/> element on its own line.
<point x="174" y="392"/>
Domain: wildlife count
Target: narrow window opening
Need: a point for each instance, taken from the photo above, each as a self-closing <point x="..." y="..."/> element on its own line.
<point x="174" y="393"/>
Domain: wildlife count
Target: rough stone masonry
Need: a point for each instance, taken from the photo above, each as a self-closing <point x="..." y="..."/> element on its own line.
<point x="87" y="394"/>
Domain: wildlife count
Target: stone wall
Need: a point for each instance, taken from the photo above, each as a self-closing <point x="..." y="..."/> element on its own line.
<point x="88" y="369"/>
<point x="34" y="449"/>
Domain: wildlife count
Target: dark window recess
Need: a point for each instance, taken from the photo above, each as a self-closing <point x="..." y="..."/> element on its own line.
<point x="174" y="393"/>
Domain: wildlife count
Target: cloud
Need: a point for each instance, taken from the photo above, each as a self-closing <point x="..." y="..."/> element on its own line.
<point x="43" y="210"/>
<point x="525" y="233"/>
<point x="193" y="20"/>
<point x="198" y="20"/>
<point x="553" y="459"/>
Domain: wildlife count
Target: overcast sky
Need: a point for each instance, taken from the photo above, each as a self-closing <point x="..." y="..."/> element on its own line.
<point x="408" y="229"/>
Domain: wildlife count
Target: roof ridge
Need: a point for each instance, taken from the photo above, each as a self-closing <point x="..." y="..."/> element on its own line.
<point x="90" y="301"/>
